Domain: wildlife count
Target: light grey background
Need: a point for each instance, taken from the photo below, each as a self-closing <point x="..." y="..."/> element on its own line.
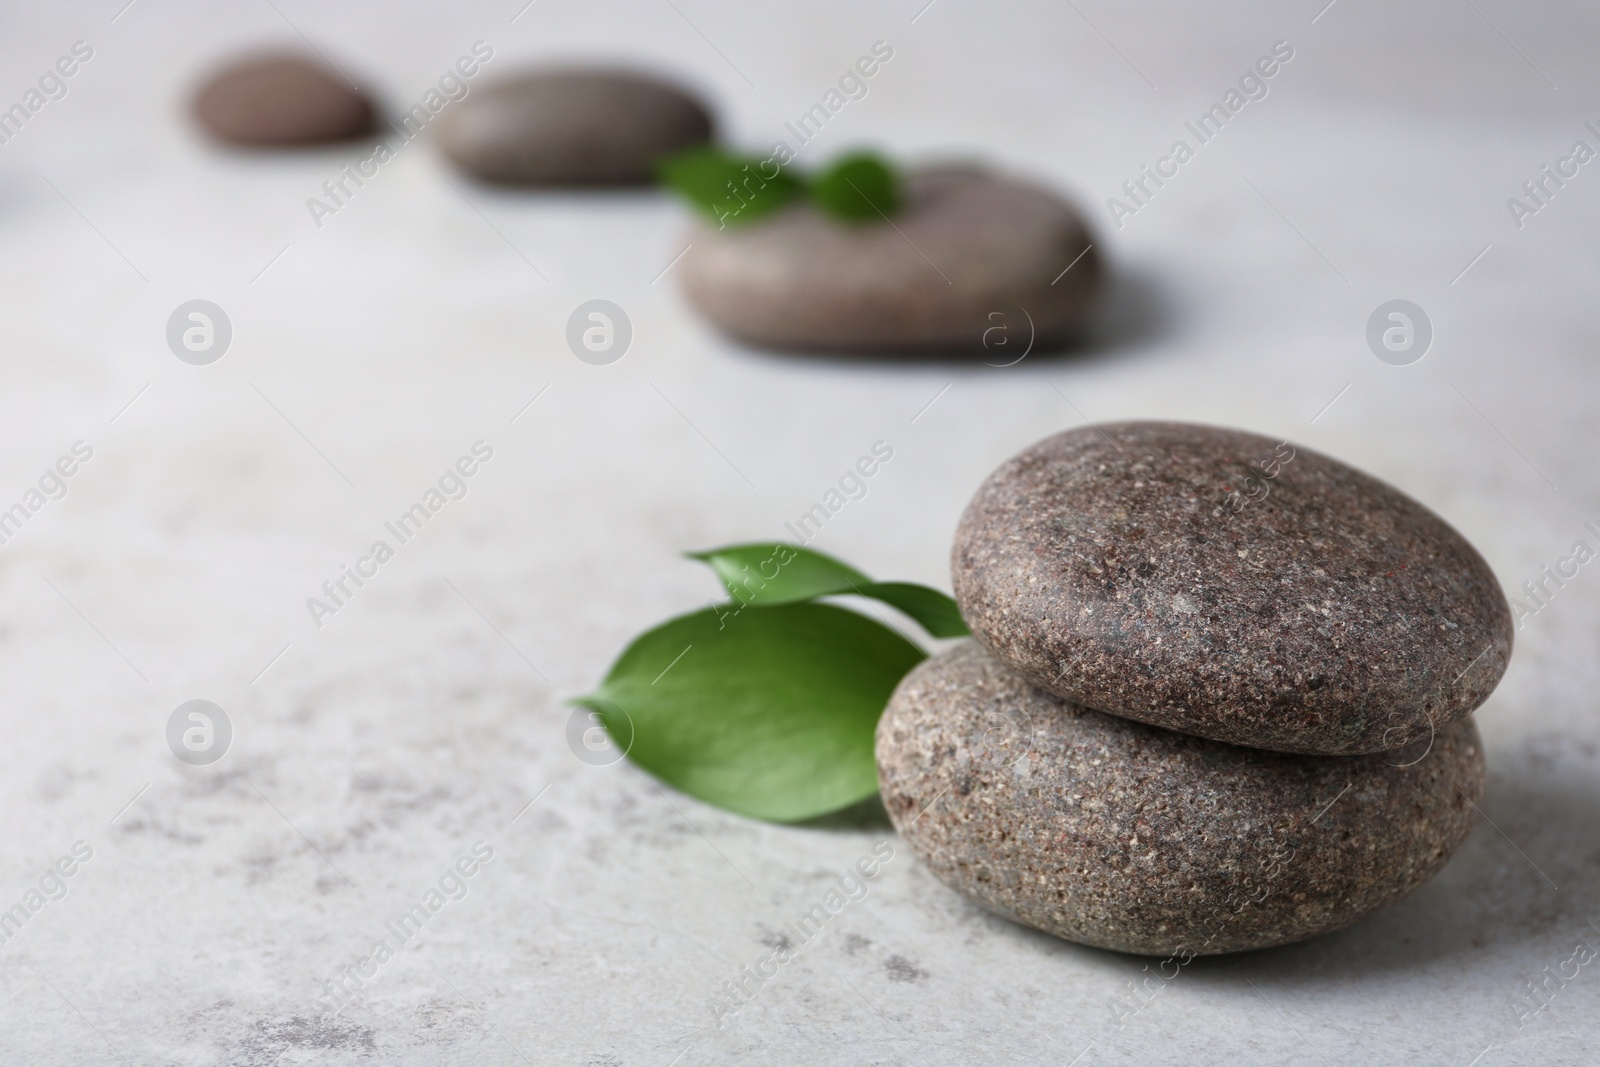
<point x="369" y="354"/>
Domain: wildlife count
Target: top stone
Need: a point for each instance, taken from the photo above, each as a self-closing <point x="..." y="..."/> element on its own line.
<point x="1231" y="586"/>
<point x="281" y="99"/>
<point x="573" y="128"/>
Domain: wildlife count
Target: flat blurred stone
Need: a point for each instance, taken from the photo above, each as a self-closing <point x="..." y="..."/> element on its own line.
<point x="572" y="127"/>
<point x="972" y="261"/>
<point x="281" y="99"/>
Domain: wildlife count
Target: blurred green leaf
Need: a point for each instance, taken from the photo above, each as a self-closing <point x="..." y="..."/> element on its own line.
<point x="732" y="190"/>
<point x="859" y="187"/>
<point x="769" y="712"/>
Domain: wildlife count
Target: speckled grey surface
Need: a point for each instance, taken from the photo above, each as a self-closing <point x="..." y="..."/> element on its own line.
<point x="575" y="126"/>
<point x="1124" y="836"/>
<point x="1229" y="585"/>
<point x="970" y="262"/>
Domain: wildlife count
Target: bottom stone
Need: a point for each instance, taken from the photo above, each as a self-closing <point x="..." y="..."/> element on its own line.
<point x="1129" y="837"/>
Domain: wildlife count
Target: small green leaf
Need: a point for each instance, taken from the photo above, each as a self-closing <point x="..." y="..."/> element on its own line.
<point x="775" y="573"/>
<point x="768" y="712"/>
<point x="730" y="189"/>
<point x="857" y="188"/>
<point x="934" y="611"/>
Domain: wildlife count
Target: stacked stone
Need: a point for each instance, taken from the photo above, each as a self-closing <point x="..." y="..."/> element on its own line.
<point x="1219" y="699"/>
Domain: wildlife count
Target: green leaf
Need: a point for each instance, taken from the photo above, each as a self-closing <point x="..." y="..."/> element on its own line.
<point x="765" y="711"/>
<point x="730" y="189"/>
<point x="775" y="573"/>
<point x="934" y="611"/>
<point x="857" y="188"/>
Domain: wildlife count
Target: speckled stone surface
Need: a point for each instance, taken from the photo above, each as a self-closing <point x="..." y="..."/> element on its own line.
<point x="973" y="261"/>
<point x="572" y="127"/>
<point x="1229" y="585"/>
<point x="1129" y="837"/>
<point x="281" y="99"/>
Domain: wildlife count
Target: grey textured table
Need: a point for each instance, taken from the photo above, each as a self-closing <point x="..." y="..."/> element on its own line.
<point x="427" y="714"/>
